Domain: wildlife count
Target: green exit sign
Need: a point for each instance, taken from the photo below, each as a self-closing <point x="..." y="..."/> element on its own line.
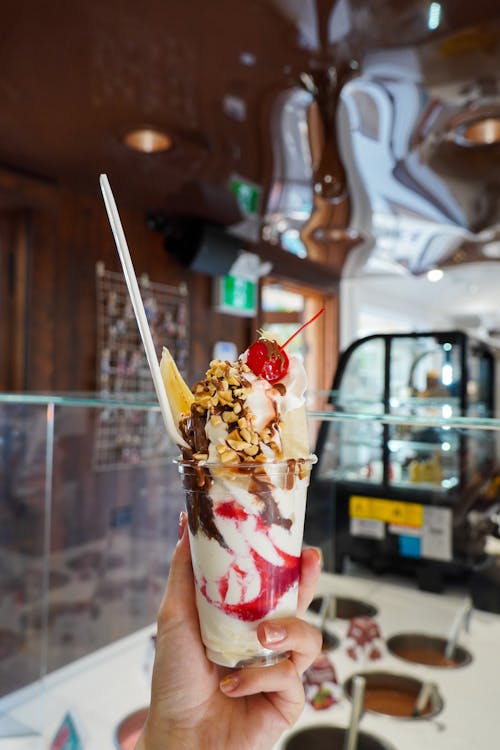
<point x="247" y="193"/>
<point x="236" y="296"/>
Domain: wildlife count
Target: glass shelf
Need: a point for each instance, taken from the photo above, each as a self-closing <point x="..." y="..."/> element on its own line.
<point x="328" y="414"/>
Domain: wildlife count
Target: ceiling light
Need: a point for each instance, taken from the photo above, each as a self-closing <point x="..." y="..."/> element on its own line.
<point x="483" y="131"/>
<point x="148" y="140"/>
<point x="434" y="18"/>
<point x="248" y="59"/>
<point x="435" y="274"/>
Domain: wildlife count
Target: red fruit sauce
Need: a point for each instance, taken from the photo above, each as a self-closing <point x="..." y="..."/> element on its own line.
<point x="283" y="577"/>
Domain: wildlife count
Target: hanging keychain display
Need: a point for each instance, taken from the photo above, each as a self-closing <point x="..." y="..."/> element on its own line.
<point x="128" y="437"/>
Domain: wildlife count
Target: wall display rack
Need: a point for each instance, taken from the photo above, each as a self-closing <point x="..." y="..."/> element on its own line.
<point x="125" y="437"/>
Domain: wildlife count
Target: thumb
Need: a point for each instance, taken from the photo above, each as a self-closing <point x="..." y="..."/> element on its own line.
<point x="179" y="598"/>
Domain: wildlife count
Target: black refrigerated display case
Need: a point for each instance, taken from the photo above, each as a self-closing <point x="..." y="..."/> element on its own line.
<point x="400" y="495"/>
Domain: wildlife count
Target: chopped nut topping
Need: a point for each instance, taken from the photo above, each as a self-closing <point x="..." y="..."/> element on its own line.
<point x="221" y="398"/>
<point x="245" y="434"/>
<point x="200" y="456"/>
<point x="237" y="445"/>
<point x="203" y="400"/>
<point x="229" y="457"/>
<point x="251" y="450"/>
<point x="229" y="416"/>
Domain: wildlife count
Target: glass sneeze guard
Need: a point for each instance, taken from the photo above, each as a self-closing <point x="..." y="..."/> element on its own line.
<point x="89" y="507"/>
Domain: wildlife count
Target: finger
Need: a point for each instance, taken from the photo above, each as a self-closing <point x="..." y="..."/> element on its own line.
<point x="299" y="637"/>
<point x="310" y="569"/>
<point x="280" y="682"/>
<point x="179" y="599"/>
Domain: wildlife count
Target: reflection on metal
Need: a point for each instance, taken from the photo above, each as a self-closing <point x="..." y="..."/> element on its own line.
<point x="481" y="132"/>
<point x="308" y="205"/>
<point x="289" y="200"/>
<point x="330" y="216"/>
<point x="400" y="154"/>
<point x="423" y="127"/>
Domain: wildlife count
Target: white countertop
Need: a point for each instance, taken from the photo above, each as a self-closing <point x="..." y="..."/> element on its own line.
<point x="470" y="716"/>
<point x="99" y="690"/>
<point x="102" y="688"/>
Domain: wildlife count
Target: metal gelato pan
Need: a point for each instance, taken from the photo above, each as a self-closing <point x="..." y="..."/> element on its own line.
<point x="420" y="648"/>
<point x="396" y="695"/>
<point x="332" y="738"/>
<point x="345" y="608"/>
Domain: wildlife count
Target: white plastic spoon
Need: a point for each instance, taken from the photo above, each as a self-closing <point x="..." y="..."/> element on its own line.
<point x="358" y="701"/>
<point x="461" y="622"/>
<point x="140" y="314"/>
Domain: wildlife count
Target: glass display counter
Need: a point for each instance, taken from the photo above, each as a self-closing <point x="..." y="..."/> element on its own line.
<point x="89" y="509"/>
<point x="414" y="444"/>
<point x="90" y="500"/>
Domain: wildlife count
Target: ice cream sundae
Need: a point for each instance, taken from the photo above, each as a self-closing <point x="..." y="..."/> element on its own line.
<point x="246" y="472"/>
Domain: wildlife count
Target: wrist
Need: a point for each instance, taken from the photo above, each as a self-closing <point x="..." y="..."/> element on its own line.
<point x="167" y="738"/>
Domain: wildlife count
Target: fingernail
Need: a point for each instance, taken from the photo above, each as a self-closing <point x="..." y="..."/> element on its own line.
<point x="274" y="633"/>
<point x="319" y="554"/>
<point x="182" y="524"/>
<point x="229" y="683"/>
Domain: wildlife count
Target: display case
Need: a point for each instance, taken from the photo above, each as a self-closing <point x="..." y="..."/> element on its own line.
<point x="403" y="484"/>
<point x="85" y="548"/>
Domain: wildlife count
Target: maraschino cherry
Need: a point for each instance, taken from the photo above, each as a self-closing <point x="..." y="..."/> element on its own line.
<point x="267" y="358"/>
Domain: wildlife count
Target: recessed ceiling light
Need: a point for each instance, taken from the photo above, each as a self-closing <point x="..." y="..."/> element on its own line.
<point x="483" y="131"/>
<point x="248" y="58"/>
<point x="148" y="140"/>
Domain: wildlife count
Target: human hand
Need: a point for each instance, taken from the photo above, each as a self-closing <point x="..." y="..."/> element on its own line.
<point x="195" y="703"/>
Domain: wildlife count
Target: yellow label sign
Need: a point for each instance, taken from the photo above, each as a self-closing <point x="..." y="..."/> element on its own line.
<point x="389" y="511"/>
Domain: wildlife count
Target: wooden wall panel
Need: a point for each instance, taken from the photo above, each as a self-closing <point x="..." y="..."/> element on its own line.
<point x="14" y="280"/>
<point x="69" y="235"/>
<point x="5" y="303"/>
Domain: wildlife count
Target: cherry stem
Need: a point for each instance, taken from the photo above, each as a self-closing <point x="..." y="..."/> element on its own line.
<point x="303" y="326"/>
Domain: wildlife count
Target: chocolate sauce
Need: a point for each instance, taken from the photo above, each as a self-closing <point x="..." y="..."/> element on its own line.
<point x="392" y="701"/>
<point x="199" y="504"/>
<point x="193" y="431"/>
<point x="262" y="488"/>
<point x="428" y="656"/>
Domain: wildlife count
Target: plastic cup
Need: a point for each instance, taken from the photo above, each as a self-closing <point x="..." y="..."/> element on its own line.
<point x="246" y="524"/>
